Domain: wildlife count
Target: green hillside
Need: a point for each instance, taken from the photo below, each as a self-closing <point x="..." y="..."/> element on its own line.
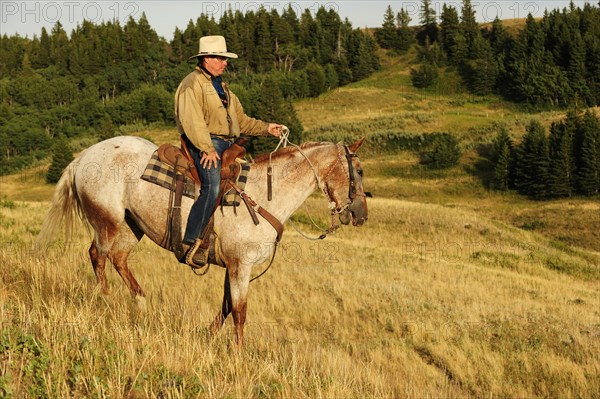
<point x="388" y="99"/>
<point x="387" y="102"/>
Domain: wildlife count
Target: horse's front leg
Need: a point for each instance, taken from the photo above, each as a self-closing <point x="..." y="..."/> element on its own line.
<point x="225" y="308"/>
<point x="239" y="281"/>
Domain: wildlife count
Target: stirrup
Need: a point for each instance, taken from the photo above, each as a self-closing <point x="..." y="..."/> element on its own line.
<point x="197" y="259"/>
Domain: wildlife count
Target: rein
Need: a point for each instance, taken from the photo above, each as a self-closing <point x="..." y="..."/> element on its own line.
<point x="275" y="223"/>
<point x="323" y="236"/>
<point x="324" y="187"/>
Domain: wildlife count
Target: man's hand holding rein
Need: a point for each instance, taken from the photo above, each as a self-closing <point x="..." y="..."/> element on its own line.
<point x="275" y="129"/>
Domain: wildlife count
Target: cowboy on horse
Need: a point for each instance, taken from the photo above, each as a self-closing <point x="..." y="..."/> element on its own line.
<point x="121" y="212"/>
<point x="209" y="118"/>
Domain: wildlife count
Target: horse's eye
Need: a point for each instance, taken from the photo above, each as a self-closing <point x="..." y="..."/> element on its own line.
<point x="360" y="172"/>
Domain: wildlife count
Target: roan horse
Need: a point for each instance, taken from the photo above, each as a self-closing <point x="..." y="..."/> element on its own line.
<point x="103" y="187"/>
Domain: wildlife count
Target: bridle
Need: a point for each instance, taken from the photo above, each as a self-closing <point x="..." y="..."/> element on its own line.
<point x="345" y="156"/>
<point x="352" y="190"/>
<point x="324" y="187"/>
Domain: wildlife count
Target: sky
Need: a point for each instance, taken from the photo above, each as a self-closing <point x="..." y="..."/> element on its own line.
<point x="27" y="18"/>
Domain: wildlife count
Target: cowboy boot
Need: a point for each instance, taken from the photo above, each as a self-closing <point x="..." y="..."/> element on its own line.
<point x="194" y="256"/>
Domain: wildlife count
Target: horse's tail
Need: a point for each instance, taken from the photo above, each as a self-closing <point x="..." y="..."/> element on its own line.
<point x="64" y="207"/>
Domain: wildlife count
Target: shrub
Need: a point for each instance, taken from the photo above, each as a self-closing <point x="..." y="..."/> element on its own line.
<point x="61" y="158"/>
<point x="425" y="76"/>
<point x="443" y="153"/>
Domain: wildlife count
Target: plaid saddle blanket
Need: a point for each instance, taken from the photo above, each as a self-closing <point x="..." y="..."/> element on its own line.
<point x="163" y="175"/>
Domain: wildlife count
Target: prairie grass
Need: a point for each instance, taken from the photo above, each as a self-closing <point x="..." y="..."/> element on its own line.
<point x="426" y="300"/>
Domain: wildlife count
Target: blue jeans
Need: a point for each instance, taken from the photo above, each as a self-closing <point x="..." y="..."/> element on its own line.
<point x="209" y="191"/>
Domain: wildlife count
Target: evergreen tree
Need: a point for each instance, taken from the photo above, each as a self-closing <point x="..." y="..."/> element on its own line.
<point x="587" y="154"/>
<point x="561" y="164"/>
<point x="361" y="55"/>
<point x="283" y="36"/>
<point x="429" y="28"/>
<point x="60" y="43"/>
<point x="62" y="156"/>
<point x="502" y="149"/>
<point x="403" y="19"/>
<point x="576" y="69"/>
<point x="500" y="42"/>
<point x="592" y="62"/>
<point x="387" y="35"/>
<point x="469" y="26"/>
<point x="291" y="18"/>
<point x="452" y="40"/>
<point x="531" y="72"/>
<point x="481" y="73"/>
<point x="343" y="71"/>
<point x="317" y="81"/>
<point x="329" y="24"/>
<point x="245" y="26"/>
<point x="26" y="69"/>
<point x="264" y="43"/>
<point x="309" y="33"/>
<point x="406" y="36"/>
<point x="77" y="56"/>
<point x="425" y="76"/>
<point x="532" y="160"/>
<point x="107" y="129"/>
<point x="177" y="46"/>
<point x="44" y="55"/>
<point x="271" y="105"/>
<point x="331" y="77"/>
<point x="431" y="54"/>
<point x="152" y="107"/>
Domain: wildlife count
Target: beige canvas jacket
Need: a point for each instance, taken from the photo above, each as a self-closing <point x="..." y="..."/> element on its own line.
<point x="199" y="112"/>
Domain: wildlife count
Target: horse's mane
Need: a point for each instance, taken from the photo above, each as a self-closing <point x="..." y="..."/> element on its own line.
<point x="288" y="150"/>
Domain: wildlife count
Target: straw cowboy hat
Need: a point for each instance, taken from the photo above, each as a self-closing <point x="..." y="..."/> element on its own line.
<point x="213" y="45"/>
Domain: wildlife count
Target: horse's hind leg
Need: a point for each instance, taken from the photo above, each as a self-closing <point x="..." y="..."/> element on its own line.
<point x="126" y="239"/>
<point x="99" y="264"/>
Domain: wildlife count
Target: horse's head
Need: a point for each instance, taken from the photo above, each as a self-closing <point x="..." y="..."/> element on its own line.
<point x="344" y="186"/>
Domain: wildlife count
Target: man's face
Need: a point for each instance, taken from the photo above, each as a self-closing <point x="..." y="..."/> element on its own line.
<point x="215" y="64"/>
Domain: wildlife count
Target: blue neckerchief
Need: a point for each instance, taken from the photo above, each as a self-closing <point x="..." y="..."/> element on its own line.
<point x="218" y="85"/>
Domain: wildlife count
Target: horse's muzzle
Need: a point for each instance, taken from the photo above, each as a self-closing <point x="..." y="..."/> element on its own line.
<point x="356" y="213"/>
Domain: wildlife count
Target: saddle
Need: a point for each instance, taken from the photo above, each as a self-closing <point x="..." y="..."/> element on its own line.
<point x="183" y="165"/>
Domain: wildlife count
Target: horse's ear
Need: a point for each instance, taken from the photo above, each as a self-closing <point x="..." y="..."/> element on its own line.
<point x="354" y="147"/>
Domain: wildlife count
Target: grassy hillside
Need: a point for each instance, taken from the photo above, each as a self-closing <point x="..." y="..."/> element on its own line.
<point x="450" y="290"/>
<point x="388" y="99"/>
<point x="424" y="301"/>
<point x="387" y="102"/>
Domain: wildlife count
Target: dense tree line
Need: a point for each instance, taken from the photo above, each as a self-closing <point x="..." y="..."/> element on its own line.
<point x="102" y="76"/>
<point x="553" y="61"/>
<point x="562" y="163"/>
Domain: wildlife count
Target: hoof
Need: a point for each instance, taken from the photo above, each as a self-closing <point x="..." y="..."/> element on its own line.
<point x="140" y="301"/>
<point x="101" y="290"/>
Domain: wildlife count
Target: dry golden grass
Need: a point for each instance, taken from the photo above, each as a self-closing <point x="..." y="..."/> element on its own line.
<point x="424" y="301"/>
<point x="28" y="185"/>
